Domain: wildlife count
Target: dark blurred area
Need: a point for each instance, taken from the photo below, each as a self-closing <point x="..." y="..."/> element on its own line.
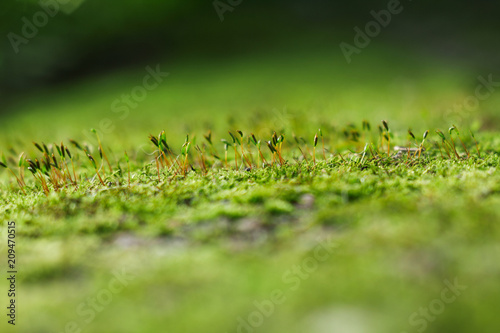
<point x="86" y="37"/>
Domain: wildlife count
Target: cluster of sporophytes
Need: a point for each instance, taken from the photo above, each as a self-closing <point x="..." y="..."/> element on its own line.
<point x="60" y="167"/>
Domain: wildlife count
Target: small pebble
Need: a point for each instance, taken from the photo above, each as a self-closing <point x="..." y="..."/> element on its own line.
<point x="306" y="201"/>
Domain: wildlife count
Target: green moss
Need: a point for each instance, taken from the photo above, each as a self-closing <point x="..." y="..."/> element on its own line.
<point x="205" y="247"/>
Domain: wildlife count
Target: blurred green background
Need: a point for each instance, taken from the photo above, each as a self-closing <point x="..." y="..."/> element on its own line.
<point x="264" y="56"/>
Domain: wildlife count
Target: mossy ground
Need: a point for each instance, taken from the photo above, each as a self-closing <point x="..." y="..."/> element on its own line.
<point x="203" y="252"/>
